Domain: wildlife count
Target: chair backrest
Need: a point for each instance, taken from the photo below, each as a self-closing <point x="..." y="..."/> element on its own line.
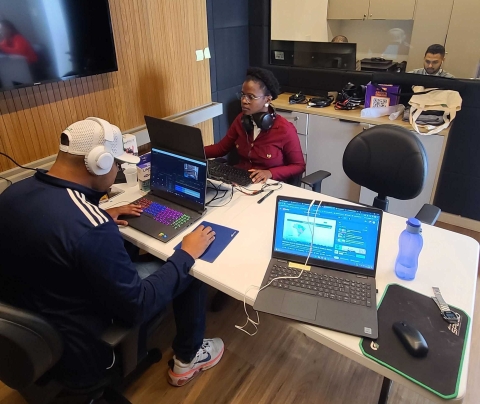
<point x="29" y="347"/>
<point x="387" y="159"/>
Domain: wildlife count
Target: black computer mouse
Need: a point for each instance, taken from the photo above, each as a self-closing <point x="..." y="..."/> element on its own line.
<point x="411" y="338"/>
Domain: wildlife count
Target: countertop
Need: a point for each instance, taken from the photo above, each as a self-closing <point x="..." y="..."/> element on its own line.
<point x="353" y="115"/>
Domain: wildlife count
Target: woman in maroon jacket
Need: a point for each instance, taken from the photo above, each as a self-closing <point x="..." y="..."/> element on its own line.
<point x="267" y="144"/>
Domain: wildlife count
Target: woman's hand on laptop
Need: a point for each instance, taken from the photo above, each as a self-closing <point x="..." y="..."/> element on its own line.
<point x="125" y="210"/>
<point x="198" y="241"/>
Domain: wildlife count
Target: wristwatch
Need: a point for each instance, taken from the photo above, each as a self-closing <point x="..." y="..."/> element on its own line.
<point x="448" y="315"/>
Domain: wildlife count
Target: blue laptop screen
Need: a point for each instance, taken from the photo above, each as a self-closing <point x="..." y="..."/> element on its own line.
<point x="340" y="235"/>
<point x="178" y="175"/>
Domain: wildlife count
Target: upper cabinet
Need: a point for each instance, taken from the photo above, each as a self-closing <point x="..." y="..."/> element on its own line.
<point x="391" y="9"/>
<point x="463" y="40"/>
<point x="371" y="9"/>
<point x="348" y="9"/>
<point x="304" y="20"/>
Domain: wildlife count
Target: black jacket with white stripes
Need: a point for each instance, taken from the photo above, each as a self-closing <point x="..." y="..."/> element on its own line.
<point x="64" y="257"/>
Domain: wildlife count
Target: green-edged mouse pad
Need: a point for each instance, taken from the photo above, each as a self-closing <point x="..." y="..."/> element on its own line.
<point x="439" y="371"/>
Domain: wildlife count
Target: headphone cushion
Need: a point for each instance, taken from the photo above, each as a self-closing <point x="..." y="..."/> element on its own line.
<point x="264" y="121"/>
<point x="99" y="161"/>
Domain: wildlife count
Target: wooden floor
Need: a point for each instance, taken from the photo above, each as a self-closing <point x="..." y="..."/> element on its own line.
<point x="278" y="365"/>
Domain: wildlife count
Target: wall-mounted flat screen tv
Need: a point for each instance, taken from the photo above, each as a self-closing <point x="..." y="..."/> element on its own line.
<point x="49" y="40"/>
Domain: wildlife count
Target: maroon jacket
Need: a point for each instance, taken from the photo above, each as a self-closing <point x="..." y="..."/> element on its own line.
<point x="277" y="149"/>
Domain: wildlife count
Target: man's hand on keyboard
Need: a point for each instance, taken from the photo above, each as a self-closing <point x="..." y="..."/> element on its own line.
<point x="198" y="241"/>
<point x="260" y="175"/>
<point x="126" y="210"/>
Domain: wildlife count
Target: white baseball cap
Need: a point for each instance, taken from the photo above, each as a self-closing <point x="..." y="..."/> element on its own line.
<point x="85" y="135"/>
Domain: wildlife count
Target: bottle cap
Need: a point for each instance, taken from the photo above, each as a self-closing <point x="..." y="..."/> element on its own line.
<point x="414" y="222"/>
<point x="414" y="225"/>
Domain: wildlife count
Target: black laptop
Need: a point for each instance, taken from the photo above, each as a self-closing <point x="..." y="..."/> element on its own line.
<point x="337" y="289"/>
<point x="177" y="197"/>
<point x="178" y="180"/>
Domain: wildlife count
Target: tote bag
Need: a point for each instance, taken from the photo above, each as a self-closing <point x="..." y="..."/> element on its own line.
<point x="448" y="101"/>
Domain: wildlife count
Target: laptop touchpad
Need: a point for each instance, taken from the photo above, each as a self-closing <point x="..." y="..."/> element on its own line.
<point x="295" y="304"/>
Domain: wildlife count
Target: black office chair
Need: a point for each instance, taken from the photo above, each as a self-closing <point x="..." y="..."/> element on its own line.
<point x="389" y="160"/>
<point x="30" y="347"/>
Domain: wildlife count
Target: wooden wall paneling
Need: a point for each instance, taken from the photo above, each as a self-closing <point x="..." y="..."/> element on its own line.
<point x="28" y="124"/>
<point x="41" y="123"/>
<point x="61" y="106"/>
<point x="149" y="74"/>
<point x="96" y="82"/>
<point x="20" y="152"/>
<point x="56" y="106"/>
<point x="56" y="126"/>
<point x="90" y="101"/>
<point x="126" y="77"/>
<point x="15" y="108"/>
<point x="66" y="102"/>
<point x="28" y="102"/>
<point x="46" y="116"/>
<point x="5" y="127"/>
<point x="72" y="101"/>
<point x="77" y="84"/>
<point x="51" y="132"/>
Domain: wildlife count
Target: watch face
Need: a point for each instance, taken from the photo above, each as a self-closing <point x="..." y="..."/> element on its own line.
<point x="450" y="316"/>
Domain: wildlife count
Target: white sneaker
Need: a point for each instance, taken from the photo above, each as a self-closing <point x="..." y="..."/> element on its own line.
<point x="207" y="357"/>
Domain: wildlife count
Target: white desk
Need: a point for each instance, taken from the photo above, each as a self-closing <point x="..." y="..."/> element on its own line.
<point x="448" y="260"/>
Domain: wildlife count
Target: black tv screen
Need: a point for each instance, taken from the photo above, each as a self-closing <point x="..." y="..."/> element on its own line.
<point x="321" y="55"/>
<point x="50" y="40"/>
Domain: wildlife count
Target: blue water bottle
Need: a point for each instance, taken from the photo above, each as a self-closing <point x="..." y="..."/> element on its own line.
<point x="410" y="244"/>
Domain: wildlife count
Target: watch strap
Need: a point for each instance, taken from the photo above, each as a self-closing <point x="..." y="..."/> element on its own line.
<point x="442" y="305"/>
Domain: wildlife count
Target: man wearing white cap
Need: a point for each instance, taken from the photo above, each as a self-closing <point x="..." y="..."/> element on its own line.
<point x="64" y="257"/>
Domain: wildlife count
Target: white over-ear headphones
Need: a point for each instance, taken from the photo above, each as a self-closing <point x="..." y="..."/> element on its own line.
<point x="99" y="160"/>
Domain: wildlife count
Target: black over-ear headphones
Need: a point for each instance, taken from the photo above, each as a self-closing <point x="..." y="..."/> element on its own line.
<point x="320" y="102"/>
<point x="263" y="120"/>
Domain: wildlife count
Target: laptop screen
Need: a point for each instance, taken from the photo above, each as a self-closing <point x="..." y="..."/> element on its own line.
<point x="179" y="176"/>
<point x="344" y="236"/>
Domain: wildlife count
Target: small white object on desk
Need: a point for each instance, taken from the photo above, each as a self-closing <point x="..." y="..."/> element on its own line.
<point x="131" y="175"/>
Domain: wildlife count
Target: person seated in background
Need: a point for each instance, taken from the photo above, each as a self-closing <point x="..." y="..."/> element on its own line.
<point x="433" y="61"/>
<point x="340" y="38"/>
<point x="13" y="43"/>
<point x="63" y="257"/>
<point x="267" y="144"/>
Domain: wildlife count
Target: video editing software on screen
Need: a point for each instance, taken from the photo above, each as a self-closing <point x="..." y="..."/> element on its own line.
<point x="179" y="175"/>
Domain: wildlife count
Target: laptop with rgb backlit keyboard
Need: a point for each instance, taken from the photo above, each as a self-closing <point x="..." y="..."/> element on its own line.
<point x="337" y="288"/>
<point x="177" y="198"/>
<point x="178" y="180"/>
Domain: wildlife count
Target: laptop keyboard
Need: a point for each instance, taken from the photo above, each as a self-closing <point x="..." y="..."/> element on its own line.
<point x="327" y="286"/>
<point x="224" y="172"/>
<point x="163" y="214"/>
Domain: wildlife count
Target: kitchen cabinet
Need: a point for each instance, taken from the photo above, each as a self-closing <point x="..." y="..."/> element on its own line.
<point x="371" y="9"/>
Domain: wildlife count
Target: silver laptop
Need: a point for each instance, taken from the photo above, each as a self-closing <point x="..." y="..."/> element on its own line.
<point x="337" y="289"/>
